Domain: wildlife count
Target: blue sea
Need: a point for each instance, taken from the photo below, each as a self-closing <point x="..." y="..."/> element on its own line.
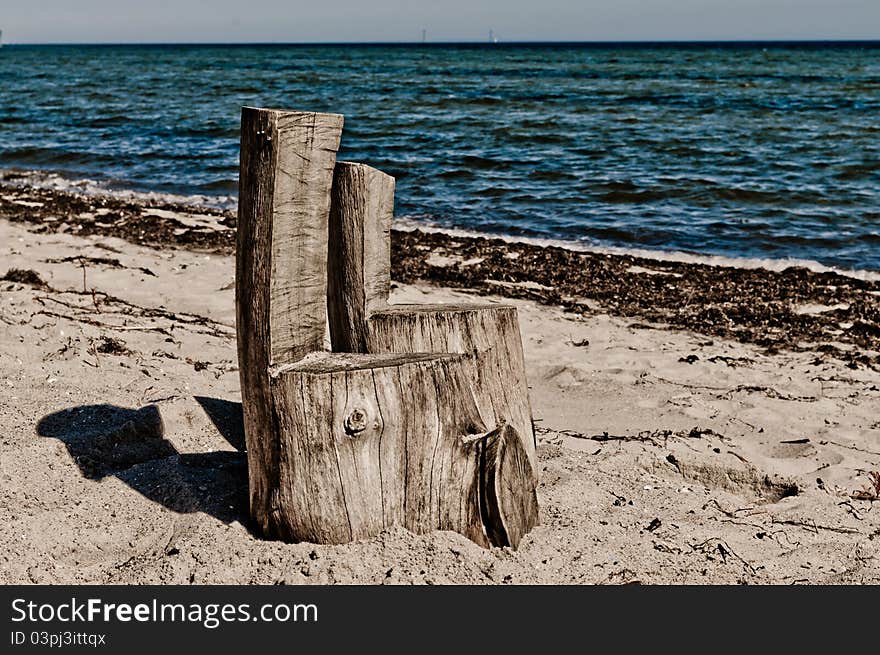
<point x="743" y="150"/>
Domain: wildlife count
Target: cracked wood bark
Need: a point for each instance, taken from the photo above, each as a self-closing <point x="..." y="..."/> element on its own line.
<point x="342" y="446"/>
<point x="362" y="321"/>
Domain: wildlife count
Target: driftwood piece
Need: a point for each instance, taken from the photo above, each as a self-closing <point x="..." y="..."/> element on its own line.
<point x="361" y="320"/>
<point x="343" y="445"/>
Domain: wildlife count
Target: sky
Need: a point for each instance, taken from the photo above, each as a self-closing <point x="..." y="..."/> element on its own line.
<point x="194" y="21"/>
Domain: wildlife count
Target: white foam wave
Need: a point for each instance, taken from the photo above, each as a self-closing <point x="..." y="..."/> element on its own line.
<point x="58" y="182"/>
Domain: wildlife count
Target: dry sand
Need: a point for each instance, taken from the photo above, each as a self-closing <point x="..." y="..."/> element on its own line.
<point x="666" y="456"/>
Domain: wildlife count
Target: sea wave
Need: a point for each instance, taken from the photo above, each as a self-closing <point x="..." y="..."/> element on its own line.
<point x="700" y="149"/>
<point x="55" y="181"/>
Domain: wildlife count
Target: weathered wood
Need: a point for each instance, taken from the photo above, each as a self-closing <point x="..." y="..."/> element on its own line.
<point x="417" y="429"/>
<point x="372" y="441"/>
<point x="286" y="171"/>
<point x="362" y="321"/>
<point x="287" y="163"/>
<point x="359" y="262"/>
<point x="489" y="333"/>
<point x="506" y="471"/>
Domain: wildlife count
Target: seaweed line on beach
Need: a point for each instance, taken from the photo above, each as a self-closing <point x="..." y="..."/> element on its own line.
<point x="793" y="309"/>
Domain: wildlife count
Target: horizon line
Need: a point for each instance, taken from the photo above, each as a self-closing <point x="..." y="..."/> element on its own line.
<point x="599" y="42"/>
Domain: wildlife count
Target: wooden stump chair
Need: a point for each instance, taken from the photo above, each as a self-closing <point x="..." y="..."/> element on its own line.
<point x="418" y="417"/>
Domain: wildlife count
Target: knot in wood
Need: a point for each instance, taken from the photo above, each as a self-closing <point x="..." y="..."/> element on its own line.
<point x="356" y="421"/>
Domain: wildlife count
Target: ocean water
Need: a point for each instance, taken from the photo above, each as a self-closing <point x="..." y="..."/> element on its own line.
<point x="747" y="150"/>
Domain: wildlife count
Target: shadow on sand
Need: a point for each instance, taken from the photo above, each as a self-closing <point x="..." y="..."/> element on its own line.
<point x="130" y="444"/>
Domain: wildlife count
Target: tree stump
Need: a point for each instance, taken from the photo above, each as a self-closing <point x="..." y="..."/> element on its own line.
<point x="361" y="320"/>
<point x="371" y="441"/>
<point x="344" y="445"/>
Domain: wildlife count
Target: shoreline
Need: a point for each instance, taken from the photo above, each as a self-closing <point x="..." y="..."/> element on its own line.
<point x="793" y="309"/>
<point x="53" y="181"/>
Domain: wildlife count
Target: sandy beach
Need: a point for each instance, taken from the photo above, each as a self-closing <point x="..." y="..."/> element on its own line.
<point x="696" y="424"/>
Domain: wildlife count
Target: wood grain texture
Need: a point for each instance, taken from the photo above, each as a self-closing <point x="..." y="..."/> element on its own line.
<point x="286" y="166"/>
<point x="489" y="334"/>
<point x="359" y="260"/>
<point x="509" y="512"/>
<point x="306" y="155"/>
<point x="385" y="441"/>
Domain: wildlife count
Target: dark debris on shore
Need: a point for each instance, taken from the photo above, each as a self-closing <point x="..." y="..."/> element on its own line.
<point x="749" y="305"/>
<point x="89" y="215"/>
<point x="755" y="306"/>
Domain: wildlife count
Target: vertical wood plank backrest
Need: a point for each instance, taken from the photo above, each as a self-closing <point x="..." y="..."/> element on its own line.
<point x="360" y="252"/>
<point x="287" y="162"/>
<point x="286" y="171"/>
<point x="306" y="155"/>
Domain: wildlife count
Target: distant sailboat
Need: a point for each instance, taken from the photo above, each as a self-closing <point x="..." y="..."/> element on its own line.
<point x="492" y="37"/>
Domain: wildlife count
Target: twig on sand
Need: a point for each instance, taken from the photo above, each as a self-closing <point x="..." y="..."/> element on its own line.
<point x="652" y="436"/>
<point x="811" y="526"/>
<point x="108" y="326"/>
<point x="686" y="384"/>
<point x="132" y="309"/>
<point x="641" y="436"/>
<point x="770" y="392"/>
<point x="739" y="457"/>
<point x="727" y="512"/>
<point x="93" y="349"/>
<point x="125" y="308"/>
<point x="852" y="510"/>
<point x="826" y="442"/>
